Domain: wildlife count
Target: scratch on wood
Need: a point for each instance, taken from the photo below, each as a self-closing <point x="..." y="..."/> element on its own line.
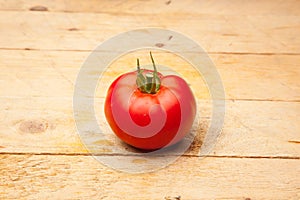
<point x="52" y="64"/>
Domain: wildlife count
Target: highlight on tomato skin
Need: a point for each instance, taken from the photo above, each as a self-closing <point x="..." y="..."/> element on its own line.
<point x="148" y="110"/>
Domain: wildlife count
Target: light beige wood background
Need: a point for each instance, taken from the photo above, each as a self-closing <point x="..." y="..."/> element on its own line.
<point x="255" y="46"/>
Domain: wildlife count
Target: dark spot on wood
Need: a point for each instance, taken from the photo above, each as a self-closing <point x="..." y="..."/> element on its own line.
<point x="2" y="147"/>
<point x="33" y="126"/>
<point x="27" y="49"/>
<point x="168" y="2"/>
<point x="294" y="141"/>
<point x="38" y="8"/>
<point x="173" y="198"/>
<point x="73" y="29"/>
<point x="170" y="37"/>
<point x="247" y="198"/>
<point x="159" y="45"/>
<point x="15" y="178"/>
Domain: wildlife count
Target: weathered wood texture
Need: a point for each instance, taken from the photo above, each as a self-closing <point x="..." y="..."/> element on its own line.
<point x="81" y="177"/>
<point x="54" y="73"/>
<point x="190" y="7"/>
<point x="254" y="45"/>
<point x="276" y="33"/>
<point x="48" y="84"/>
<point x="251" y="128"/>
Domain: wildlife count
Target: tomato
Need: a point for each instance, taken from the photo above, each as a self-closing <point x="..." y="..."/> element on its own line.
<point x="148" y="110"/>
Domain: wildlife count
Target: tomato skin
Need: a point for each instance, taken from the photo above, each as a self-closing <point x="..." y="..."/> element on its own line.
<point x="150" y="121"/>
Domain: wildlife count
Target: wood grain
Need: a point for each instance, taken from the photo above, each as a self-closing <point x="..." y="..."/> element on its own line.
<point x="188" y="7"/>
<point x="264" y="94"/>
<point x="252" y="128"/>
<point x="250" y="34"/>
<point x="54" y="73"/>
<point x="255" y="47"/>
<point x="81" y="177"/>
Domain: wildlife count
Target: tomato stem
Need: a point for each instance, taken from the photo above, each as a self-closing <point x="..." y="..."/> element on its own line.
<point x="140" y="81"/>
<point x="150" y="82"/>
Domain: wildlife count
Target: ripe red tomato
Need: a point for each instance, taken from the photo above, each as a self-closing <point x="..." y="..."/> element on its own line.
<point x="148" y="110"/>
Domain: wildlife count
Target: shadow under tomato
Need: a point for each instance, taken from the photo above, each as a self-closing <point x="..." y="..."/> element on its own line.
<point x="190" y="145"/>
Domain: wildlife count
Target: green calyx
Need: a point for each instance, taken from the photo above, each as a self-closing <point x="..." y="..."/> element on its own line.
<point x="150" y="82"/>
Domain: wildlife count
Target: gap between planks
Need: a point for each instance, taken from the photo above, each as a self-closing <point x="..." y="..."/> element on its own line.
<point x="137" y="155"/>
<point x="208" y="52"/>
<point x="226" y="99"/>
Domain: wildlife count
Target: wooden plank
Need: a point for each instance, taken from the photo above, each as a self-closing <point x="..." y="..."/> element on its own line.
<point x="81" y="177"/>
<point x="40" y="95"/>
<point x="54" y="73"/>
<point x="252" y="128"/>
<point x="236" y="7"/>
<point x="215" y="33"/>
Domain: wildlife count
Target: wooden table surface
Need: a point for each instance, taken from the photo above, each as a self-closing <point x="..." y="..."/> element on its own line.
<point x="255" y="46"/>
